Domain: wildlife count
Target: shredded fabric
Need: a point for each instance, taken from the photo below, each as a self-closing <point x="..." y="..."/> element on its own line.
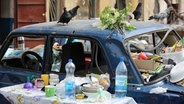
<point x="158" y="90"/>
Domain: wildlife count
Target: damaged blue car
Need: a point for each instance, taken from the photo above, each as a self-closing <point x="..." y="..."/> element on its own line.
<point x="31" y="50"/>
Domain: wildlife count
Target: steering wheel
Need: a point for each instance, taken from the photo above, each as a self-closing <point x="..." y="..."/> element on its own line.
<point x="31" y="60"/>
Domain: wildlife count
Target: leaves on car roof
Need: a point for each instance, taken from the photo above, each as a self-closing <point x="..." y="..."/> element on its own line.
<point x="111" y="18"/>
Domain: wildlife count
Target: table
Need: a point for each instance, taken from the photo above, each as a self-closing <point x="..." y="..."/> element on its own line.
<point x="18" y="95"/>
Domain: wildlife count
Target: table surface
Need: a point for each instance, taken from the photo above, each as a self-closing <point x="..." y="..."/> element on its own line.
<point x="18" y="95"/>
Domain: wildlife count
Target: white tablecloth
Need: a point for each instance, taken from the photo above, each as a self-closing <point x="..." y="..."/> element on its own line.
<point x="18" y="95"/>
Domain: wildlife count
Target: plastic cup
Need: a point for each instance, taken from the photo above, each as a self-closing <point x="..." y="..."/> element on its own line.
<point x="45" y="78"/>
<point x="50" y="90"/>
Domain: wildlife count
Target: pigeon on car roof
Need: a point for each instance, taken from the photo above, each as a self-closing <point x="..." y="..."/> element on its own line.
<point x="161" y="15"/>
<point x="73" y="11"/>
<point x="138" y="11"/>
<point x="68" y="15"/>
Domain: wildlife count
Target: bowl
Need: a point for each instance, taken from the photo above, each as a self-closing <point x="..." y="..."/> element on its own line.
<point x="80" y="96"/>
<point x="91" y="88"/>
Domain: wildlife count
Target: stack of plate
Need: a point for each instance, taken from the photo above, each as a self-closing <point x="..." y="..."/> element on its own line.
<point x="90" y="89"/>
<point x="53" y="79"/>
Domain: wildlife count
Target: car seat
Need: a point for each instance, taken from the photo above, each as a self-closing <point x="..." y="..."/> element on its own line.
<point x="74" y="51"/>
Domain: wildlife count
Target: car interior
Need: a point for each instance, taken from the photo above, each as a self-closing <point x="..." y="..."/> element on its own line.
<point x="147" y="50"/>
<point x="86" y="55"/>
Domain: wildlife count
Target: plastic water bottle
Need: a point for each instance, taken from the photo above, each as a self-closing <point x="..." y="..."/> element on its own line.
<point x="70" y="80"/>
<point x="121" y="79"/>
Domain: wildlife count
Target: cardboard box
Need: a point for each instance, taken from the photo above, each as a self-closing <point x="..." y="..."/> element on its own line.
<point x="146" y="64"/>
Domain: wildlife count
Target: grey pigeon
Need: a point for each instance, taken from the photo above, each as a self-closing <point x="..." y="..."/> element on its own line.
<point x="73" y="11"/>
<point x="138" y="11"/>
<point x="162" y="15"/>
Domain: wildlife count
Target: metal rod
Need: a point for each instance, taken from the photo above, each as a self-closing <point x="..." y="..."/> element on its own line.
<point x="92" y="8"/>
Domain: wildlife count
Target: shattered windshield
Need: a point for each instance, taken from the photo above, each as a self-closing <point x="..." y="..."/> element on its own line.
<point x="155" y="54"/>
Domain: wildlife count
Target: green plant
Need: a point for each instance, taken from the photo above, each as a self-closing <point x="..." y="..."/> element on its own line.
<point x="111" y="18"/>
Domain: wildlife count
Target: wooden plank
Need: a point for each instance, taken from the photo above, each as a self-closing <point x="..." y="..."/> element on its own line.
<point x="104" y="3"/>
<point x="148" y="9"/>
<point x="47" y="11"/>
<point x="181" y="6"/>
<point x="134" y="4"/>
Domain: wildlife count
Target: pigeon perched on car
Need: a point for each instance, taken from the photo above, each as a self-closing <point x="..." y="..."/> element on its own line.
<point x="65" y="17"/>
<point x="138" y="11"/>
<point x="68" y="15"/>
<point x="73" y="11"/>
<point x="161" y="16"/>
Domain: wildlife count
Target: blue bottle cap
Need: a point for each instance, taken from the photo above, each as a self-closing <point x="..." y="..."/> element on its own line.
<point x="121" y="59"/>
<point x="69" y="60"/>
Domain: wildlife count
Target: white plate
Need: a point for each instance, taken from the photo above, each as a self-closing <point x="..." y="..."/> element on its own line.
<point x="177" y="72"/>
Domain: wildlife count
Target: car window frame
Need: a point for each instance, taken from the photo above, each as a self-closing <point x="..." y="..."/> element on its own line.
<point x="9" y="40"/>
<point x="82" y="38"/>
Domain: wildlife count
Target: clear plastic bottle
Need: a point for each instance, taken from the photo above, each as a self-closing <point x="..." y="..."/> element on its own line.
<point x="121" y="79"/>
<point x="70" y="80"/>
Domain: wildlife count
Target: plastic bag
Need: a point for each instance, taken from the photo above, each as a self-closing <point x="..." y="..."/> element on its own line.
<point x="104" y="80"/>
<point x="60" y="90"/>
<point x="100" y="96"/>
<point x="60" y="87"/>
<point x="56" y="61"/>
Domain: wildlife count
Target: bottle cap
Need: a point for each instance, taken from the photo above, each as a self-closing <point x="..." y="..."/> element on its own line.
<point x="69" y="60"/>
<point x="121" y="59"/>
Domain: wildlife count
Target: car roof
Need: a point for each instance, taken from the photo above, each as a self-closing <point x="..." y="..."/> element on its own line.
<point x="146" y="27"/>
<point x="84" y="27"/>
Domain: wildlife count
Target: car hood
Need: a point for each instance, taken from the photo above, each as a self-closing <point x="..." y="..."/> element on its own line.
<point x="173" y="94"/>
<point x="173" y="88"/>
<point x="158" y="88"/>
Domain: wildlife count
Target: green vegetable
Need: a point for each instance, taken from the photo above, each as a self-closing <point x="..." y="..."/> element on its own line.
<point x="156" y="57"/>
<point x="112" y="18"/>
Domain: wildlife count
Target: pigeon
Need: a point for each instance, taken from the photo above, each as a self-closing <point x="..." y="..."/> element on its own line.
<point x="137" y="12"/>
<point x="73" y="11"/>
<point x="68" y="15"/>
<point x="161" y="16"/>
<point x="65" y="17"/>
